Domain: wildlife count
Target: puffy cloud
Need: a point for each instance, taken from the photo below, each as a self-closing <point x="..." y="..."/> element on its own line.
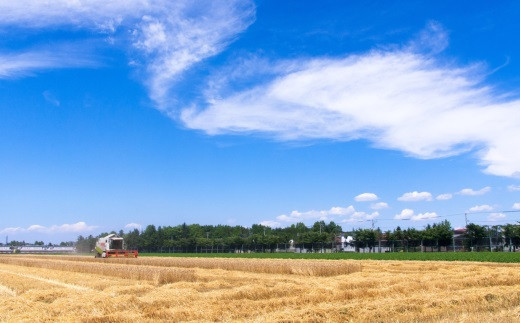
<point x="272" y="224"/>
<point x="513" y="188"/>
<point x="341" y="210"/>
<point x="297" y="216"/>
<point x="425" y="216"/>
<point x="400" y="98"/>
<point x="379" y="206"/>
<point x="408" y="214"/>
<point x="444" y="197"/>
<point x="516" y="206"/>
<point x="78" y="227"/>
<point x="133" y="226"/>
<point x="496" y="216"/>
<point x="361" y="217"/>
<point x="481" y="208"/>
<point x="164" y="37"/>
<point x="366" y="197"/>
<point x="405" y="214"/>
<point x="342" y="214"/>
<point x="472" y="192"/>
<point x="415" y="196"/>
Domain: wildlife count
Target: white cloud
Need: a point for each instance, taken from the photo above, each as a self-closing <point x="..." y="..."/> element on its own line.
<point x="366" y="197"/>
<point x="95" y="14"/>
<point x="513" y="188"/>
<point x="165" y="37"/>
<point x="444" y="197"/>
<point x="342" y="214"/>
<point x="297" y="216"/>
<point x="516" y="206"/>
<point x="415" y="196"/>
<point x="496" y="216"/>
<point x="424" y="216"/>
<point x="341" y="210"/>
<point x="397" y="99"/>
<point x="361" y="217"/>
<point x="379" y="206"/>
<point x="408" y="214"/>
<point x="472" y="192"/>
<point x="405" y="214"/>
<point x="78" y="227"/>
<point x="481" y="208"/>
<point x="49" y="97"/>
<point x="133" y="226"/>
<point x="272" y="224"/>
<point x="15" y="65"/>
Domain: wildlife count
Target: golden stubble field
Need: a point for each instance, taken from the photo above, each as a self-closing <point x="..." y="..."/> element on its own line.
<point x="69" y="288"/>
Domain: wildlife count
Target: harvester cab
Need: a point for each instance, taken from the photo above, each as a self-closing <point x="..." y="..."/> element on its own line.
<point x="113" y="246"/>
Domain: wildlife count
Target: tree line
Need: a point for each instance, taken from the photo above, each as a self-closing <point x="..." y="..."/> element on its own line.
<point x="193" y="237"/>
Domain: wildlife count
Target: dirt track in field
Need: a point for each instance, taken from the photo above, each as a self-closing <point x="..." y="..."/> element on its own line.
<point x="53" y="289"/>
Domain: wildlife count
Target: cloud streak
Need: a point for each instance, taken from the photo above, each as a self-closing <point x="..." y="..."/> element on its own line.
<point x="78" y="227"/>
<point x="472" y="192"/>
<point x="398" y="99"/>
<point x="165" y="38"/>
<point x="14" y="65"/>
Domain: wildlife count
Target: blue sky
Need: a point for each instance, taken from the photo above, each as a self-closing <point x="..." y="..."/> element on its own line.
<point x="122" y="114"/>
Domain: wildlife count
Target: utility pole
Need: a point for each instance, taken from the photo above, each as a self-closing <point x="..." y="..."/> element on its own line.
<point x="453" y="237"/>
<point x="490" y="241"/>
<point x="466" y="217"/>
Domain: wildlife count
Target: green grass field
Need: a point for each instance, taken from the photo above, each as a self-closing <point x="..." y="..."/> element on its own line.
<point x="509" y="257"/>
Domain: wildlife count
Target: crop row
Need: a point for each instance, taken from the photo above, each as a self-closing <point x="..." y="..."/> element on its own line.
<point x="158" y="275"/>
<point x="499" y="257"/>
<point x="269" y="266"/>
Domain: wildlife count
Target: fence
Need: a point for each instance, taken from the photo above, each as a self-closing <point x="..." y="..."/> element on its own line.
<point x="457" y="244"/>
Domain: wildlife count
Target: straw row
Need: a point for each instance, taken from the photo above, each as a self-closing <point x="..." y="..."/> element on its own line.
<point x="270" y="266"/>
<point x="157" y="275"/>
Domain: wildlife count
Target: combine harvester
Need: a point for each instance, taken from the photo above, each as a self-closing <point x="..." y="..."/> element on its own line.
<point x="113" y="246"/>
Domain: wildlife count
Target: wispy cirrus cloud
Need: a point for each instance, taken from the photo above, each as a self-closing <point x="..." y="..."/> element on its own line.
<point x="15" y="65"/>
<point x="165" y="38"/>
<point x="404" y="99"/>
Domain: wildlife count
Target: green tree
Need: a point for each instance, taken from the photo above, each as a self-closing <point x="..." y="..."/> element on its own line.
<point x="475" y="235"/>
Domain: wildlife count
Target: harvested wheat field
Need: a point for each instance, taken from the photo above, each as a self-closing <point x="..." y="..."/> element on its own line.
<point x="69" y="288"/>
